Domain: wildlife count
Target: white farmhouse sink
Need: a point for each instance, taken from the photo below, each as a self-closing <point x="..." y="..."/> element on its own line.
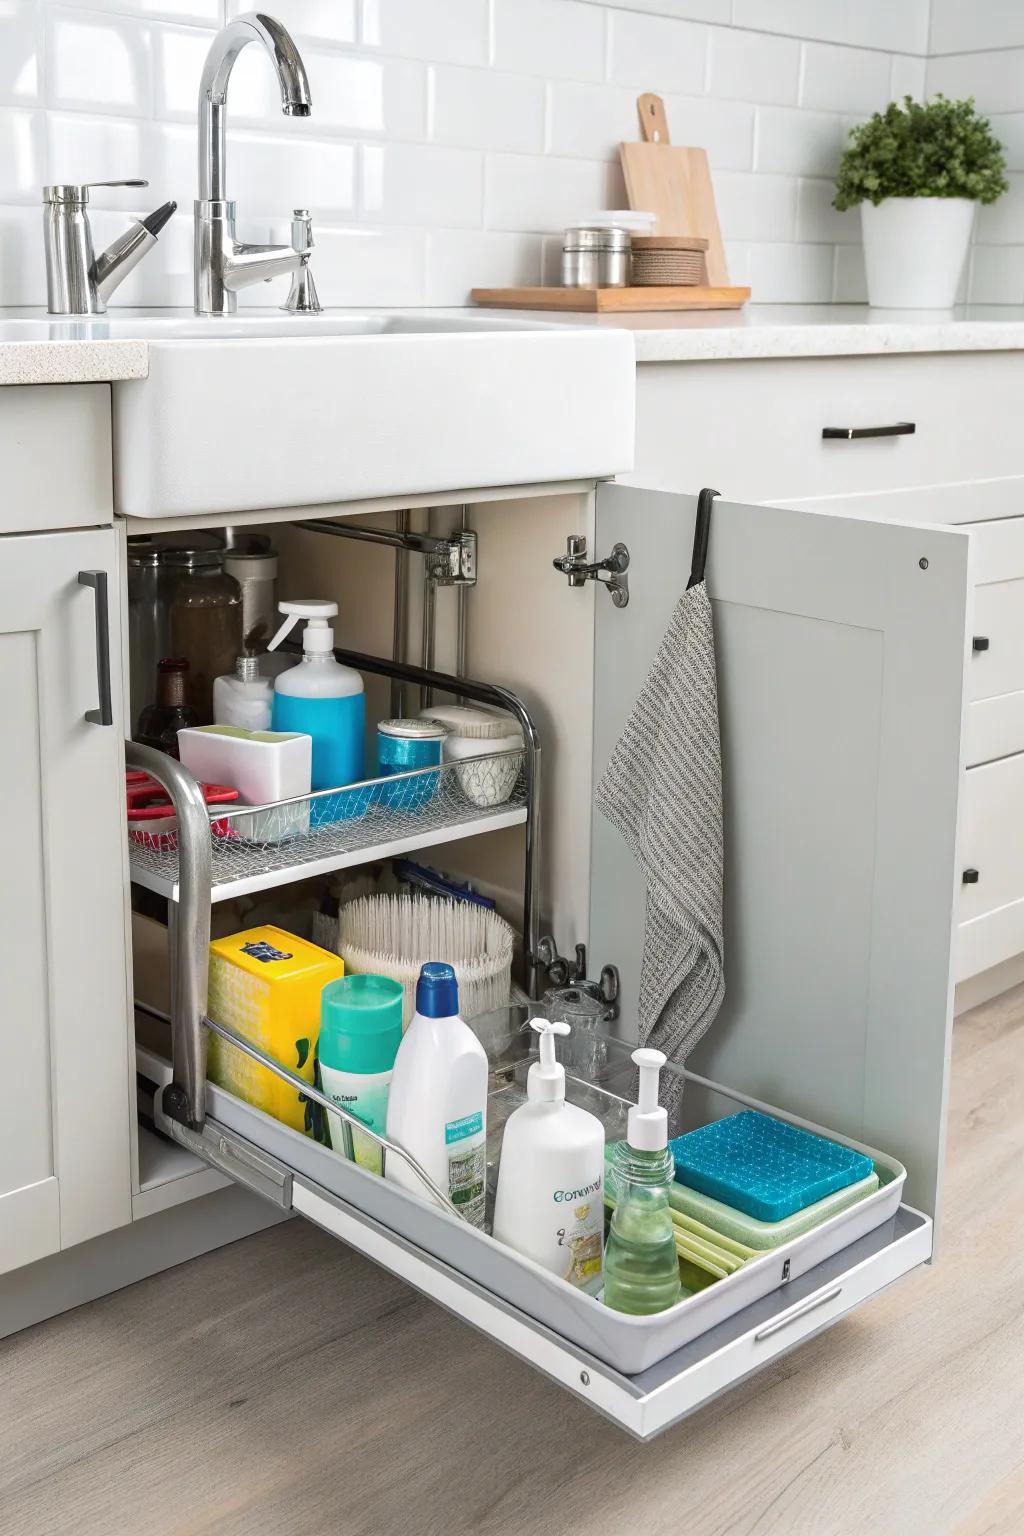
<point x="271" y="410"/>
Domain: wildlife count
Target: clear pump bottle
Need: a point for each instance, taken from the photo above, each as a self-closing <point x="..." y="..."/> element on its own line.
<point x="641" y="1267"/>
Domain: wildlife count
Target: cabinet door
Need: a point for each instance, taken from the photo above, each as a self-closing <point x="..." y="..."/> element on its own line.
<point x="840" y="655"/>
<point x="64" y="1126"/>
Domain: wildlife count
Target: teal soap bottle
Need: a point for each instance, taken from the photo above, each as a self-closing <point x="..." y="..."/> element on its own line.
<point x="641" y="1268"/>
<point x="323" y="699"/>
<point x="360" y="1032"/>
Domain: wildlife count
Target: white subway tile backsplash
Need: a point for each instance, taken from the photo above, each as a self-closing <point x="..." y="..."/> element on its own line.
<point x="756" y="207"/>
<point x="845" y="79"/>
<point x="524" y="193"/>
<point x="558" y="39"/>
<point x="850" y="284"/>
<point x="719" y="11"/>
<point x="329" y="21"/>
<point x="997" y="274"/>
<point x="798" y="142"/>
<point x="486" y="109"/>
<point x="454" y="31"/>
<point x="451" y="141"/>
<point x="100" y="63"/>
<point x="791" y="274"/>
<point x="21" y="157"/>
<point x="422" y="184"/>
<point x="995" y="80"/>
<point x="203" y="12"/>
<point x="1002" y="223"/>
<point x="816" y="219"/>
<point x="749" y="66"/>
<point x="656" y="53"/>
<point x="960" y="28"/>
<point x="894" y="26"/>
<point x="590" y="122"/>
<point x="907" y="78"/>
<point x="1008" y="128"/>
<point x="22" y="268"/>
<point x="456" y="258"/>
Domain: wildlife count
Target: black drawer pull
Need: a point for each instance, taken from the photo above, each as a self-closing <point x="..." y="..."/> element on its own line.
<point x="971" y="877"/>
<point x="897" y="429"/>
<point x="979" y="643"/>
<point x="104" y="715"/>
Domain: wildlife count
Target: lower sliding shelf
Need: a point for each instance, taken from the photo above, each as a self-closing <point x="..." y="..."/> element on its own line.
<point x="563" y="1333"/>
<point x="257" y="847"/>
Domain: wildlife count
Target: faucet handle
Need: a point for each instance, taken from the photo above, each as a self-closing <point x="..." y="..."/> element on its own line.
<point x="78" y="191"/>
<point x="302" y="229"/>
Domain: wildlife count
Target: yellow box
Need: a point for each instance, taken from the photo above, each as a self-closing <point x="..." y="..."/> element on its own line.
<point x="266" y="984"/>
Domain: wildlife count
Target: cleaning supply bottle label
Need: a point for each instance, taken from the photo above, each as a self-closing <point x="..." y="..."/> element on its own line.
<point x="467" y="1167"/>
<point x="581" y="1232"/>
<point x="364" y="1095"/>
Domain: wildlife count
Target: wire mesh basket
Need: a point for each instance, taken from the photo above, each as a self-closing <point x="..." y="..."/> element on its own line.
<point x="252" y="841"/>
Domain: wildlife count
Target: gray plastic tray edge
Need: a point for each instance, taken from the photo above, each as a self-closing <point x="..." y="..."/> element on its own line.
<point x="628" y="1344"/>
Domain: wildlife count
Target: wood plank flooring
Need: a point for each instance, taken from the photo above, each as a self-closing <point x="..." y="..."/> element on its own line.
<point x="286" y="1385"/>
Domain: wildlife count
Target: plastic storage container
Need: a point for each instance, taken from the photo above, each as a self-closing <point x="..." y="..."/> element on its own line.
<point x="263" y="766"/>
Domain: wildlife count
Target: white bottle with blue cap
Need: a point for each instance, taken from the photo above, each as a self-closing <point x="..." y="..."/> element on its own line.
<point x="437" y="1105"/>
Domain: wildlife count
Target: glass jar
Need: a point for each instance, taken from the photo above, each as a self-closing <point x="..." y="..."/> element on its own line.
<point x="206" y="621"/>
<point x="149" y="627"/>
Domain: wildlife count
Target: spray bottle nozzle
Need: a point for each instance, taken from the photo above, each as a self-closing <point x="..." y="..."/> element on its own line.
<point x="546" y="1078"/>
<point x="648" y="1122"/>
<point x="319" y="635"/>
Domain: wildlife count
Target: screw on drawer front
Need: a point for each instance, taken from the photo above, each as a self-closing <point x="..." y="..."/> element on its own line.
<point x="980" y="643"/>
<point x="970" y="877"/>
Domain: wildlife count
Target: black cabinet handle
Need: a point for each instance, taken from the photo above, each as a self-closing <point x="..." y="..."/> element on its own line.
<point x="104" y="715"/>
<point x="979" y="643"/>
<point x="895" y="429"/>
<point x="970" y="877"/>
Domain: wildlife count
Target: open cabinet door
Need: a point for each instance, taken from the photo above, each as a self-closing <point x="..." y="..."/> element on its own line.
<point x="840" y="653"/>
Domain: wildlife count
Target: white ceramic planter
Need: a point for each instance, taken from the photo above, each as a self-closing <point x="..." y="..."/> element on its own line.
<point x="915" y="249"/>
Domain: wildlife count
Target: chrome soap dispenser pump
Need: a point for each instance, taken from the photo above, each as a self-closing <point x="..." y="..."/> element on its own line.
<point x="77" y="281"/>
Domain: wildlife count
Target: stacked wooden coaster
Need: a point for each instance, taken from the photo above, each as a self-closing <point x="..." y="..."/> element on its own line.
<point x="669" y="261"/>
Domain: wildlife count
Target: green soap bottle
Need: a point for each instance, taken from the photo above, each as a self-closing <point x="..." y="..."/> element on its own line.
<point x="641" y="1267"/>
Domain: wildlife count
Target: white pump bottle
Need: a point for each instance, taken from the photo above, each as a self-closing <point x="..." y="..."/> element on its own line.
<point x="550" y="1198"/>
<point x="321" y="698"/>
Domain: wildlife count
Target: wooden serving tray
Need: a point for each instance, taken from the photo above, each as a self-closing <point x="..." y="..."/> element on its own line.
<point x="611" y="300"/>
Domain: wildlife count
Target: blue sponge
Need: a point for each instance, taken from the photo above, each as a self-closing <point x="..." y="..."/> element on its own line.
<point x="763" y="1166"/>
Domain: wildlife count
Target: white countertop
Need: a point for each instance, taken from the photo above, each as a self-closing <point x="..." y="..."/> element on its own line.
<point x="48" y="351"/>
<point x="804" y="330"/>
<point x="38" y="349"/>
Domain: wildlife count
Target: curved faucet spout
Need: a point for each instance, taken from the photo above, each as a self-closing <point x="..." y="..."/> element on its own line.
<point x="252" y="27"/>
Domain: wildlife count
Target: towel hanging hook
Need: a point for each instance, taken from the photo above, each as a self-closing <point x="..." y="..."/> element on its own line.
<point x="701" y="534"/>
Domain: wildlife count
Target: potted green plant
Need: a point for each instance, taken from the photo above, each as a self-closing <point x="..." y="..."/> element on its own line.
<point x="917" y="170"/>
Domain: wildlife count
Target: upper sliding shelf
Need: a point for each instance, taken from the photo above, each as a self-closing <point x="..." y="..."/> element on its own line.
<point x="257" y="847"/>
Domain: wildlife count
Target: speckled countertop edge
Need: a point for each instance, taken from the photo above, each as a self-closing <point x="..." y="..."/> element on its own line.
<point x="72" y="362"/>
<point x="656" y="346"/>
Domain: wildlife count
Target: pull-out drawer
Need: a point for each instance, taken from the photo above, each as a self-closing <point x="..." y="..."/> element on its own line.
<point x="992" y="855"/>
<point x="643" y="1403"/>
<point x="768" y="445"/>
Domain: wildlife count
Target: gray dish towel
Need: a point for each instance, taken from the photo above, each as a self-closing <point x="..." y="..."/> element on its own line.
<point x="662" y="790"/>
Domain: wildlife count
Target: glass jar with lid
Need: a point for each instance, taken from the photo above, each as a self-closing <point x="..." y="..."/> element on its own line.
<point x="206" y="621"/>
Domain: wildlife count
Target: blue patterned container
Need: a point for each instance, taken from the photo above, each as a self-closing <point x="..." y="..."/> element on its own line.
<point x="403" y="745"/>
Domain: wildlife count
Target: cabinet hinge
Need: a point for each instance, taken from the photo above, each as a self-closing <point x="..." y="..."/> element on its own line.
<point x="610" y="572"/>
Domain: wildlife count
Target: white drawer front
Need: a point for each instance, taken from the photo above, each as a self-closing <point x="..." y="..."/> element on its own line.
<point x="995" y="667"/>
<point x="992" y="843"/>
<point x="754" y="428"/>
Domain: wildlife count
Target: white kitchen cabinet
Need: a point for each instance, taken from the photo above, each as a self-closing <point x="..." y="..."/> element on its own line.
<point x="64" y="1126"/>
<point x="841" y="646"/>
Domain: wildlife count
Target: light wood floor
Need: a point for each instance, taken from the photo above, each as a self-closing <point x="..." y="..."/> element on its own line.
<point x="286" y="1385"/>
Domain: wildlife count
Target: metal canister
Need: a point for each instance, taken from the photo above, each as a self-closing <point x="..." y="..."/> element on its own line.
<point x="595" y="258"/>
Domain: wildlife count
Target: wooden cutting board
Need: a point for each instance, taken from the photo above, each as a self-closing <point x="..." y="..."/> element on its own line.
<point x="675" y="184"/>
<point x="612" y="300"/>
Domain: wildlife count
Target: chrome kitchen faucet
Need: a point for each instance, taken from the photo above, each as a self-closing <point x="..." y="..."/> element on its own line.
<point x="77" y="281"/>
<point x="222" y="263"/>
